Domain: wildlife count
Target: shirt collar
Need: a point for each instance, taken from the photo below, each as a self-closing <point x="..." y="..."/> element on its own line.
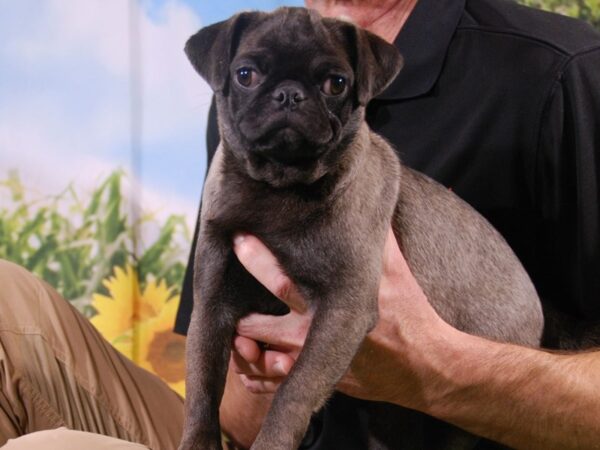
<point x="423" y="43"/>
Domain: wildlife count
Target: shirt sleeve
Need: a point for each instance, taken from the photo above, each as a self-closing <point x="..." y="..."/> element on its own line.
<point x="567" y="190"/>
<point x="186" y="304"/>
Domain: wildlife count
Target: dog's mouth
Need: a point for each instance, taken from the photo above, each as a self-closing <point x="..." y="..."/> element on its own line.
<point x="286" y="151"/>
<point x="290" y="142"/>
<point x="288" y="146"/>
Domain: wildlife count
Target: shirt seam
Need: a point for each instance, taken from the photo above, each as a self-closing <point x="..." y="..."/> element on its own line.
<point x="527" y="37"/>
<point x="545" y="111"/>
<point x="45" y="408"/>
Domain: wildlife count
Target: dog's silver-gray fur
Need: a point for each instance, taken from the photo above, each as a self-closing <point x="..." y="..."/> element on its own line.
<point x="298" y="167"/>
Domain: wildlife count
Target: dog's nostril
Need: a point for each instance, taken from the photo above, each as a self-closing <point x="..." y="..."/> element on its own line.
<point x="288" y="96"/>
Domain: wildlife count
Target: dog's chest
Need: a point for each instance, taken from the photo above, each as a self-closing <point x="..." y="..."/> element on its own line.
<point x="234" y="205"/>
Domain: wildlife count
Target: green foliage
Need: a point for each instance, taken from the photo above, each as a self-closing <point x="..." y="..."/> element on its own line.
<point x="588" y="10"/>
<point x="74" y="244"/>
<point x="162" y="259"/>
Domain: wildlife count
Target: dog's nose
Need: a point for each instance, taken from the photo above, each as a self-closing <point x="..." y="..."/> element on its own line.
<point x="289" y="94"/>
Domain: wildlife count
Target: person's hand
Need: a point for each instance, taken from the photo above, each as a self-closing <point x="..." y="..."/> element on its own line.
<point x="400" y="355"/>
<point x="266" y="347"/>
<point x="393" y="360"/>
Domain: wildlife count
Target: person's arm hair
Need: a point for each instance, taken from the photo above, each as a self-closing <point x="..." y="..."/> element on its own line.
<point x="518" y="396"/>
<point x="521" y="397"/>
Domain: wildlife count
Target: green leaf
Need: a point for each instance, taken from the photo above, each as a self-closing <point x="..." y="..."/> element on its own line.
<point x="75" y="248"/>
<point x="42" y="256"/>
<point x="33" y="226"/>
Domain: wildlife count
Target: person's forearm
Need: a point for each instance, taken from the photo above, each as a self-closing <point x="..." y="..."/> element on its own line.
<point x="522" y="397"/>
<point x="242" y="412"/>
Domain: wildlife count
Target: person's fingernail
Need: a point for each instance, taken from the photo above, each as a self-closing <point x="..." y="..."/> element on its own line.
<point x="278" y="368"/>
<point x="238" y="238"/>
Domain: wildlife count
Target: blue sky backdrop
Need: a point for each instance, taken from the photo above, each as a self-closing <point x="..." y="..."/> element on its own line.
<point x="215" y="11"/>
<point x="81" y="80"/>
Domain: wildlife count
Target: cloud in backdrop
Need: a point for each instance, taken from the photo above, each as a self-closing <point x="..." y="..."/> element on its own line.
<point x="84" y="82"/>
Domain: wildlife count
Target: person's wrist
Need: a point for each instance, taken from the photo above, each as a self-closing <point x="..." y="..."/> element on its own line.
<point x="430" y="351"/>
<point x="453" y="363"/>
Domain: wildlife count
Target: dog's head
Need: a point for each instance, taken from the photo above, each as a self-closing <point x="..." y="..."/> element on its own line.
<point x="290" y="88"/>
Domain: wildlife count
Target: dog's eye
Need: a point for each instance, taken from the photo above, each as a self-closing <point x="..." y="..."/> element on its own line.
<point x="334" y="85"/>
<point x="246" y="77"/>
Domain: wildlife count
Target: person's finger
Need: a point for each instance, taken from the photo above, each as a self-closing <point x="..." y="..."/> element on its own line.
<point x="262" y="264"/>
<point x="247" y="348"/>
<point x="258" y="385"/>
<point x="286" y="331"/>
<point x="270" y="364"/>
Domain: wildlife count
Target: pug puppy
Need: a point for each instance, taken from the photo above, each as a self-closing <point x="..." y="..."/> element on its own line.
<point x="299" y="168"/>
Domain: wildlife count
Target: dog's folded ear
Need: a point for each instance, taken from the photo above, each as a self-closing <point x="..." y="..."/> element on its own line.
<point x="378" y="63"/>
<point x="211" y="49"/>
<point x="375" y="61"/>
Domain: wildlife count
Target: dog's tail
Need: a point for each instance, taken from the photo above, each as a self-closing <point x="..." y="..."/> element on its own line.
<point x="564" y="332"/>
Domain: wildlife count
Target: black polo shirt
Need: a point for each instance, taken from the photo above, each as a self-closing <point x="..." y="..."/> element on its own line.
<point x="501" y="104"/>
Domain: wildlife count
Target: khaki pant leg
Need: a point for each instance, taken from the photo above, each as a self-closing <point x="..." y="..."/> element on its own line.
<point x="56" y="370"/>
<point x="65" y="439"/>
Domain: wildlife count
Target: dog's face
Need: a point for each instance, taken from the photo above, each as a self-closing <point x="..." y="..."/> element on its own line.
<point x="290" y="88"/>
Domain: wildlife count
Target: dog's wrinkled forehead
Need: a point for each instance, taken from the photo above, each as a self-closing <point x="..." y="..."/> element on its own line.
<point x="294" y="35"/>
<point x="290" y="28"/>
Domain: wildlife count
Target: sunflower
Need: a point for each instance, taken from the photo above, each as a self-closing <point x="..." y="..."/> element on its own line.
<point x="139" y="324"/>
<point x="162" y="351"/>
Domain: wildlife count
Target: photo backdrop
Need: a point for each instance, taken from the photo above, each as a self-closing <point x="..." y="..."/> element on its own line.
<point x="102" y="156"/>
